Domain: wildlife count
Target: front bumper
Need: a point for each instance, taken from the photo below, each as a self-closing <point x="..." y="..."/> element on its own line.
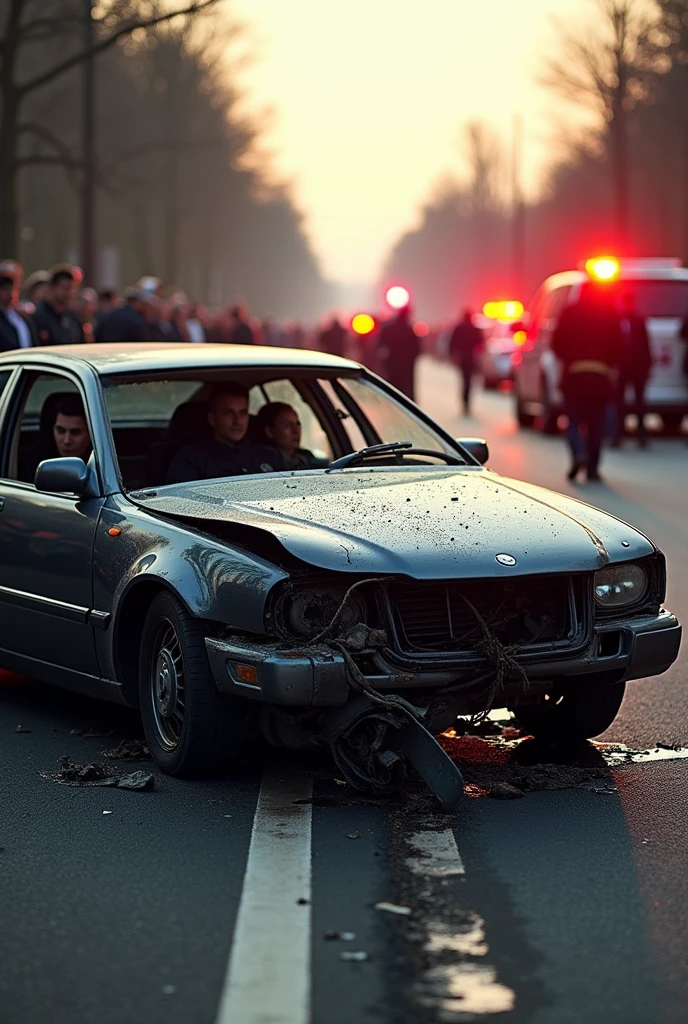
<point x="631" y="648"/>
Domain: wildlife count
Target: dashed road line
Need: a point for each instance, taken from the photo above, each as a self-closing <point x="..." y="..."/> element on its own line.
<point x="268" y="978"/>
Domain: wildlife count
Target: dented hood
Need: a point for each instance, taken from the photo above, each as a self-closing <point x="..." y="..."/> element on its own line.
<point x="426" y="523"/>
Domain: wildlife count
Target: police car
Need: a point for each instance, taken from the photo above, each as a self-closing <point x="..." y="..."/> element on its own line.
<point x="660" y="288"/>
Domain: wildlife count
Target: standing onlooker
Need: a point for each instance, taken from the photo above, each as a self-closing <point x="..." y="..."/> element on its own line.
<point x="35" y="290"/>
<point x="54" y="320"/>
<point x="333" y="338"/>
<point x="16" y="330"/>
<point x="130" y="322"/>
<point x="587" y="341"/>
<point x="398" y="348"/>
<point x="240" y="332"/>
<point x="465" y="339"/>
<point x="194" y="325"/>
<point x="634" y="369"/>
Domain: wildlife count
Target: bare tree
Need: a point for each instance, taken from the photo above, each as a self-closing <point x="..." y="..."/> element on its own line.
<point x="609" y="68"/>
<point x="28" y="22"/>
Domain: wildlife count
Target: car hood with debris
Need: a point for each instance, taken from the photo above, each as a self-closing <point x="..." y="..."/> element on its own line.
<point x="426" y="523"/>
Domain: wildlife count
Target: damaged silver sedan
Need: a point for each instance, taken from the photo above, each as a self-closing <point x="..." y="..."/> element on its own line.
<point x="361" y="602"/>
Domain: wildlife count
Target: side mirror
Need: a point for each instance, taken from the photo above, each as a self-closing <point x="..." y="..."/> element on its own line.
<point x="63" y="476"/>
<point x="476" y="447"/>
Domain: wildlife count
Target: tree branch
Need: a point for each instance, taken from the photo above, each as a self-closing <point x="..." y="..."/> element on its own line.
<point x="71" y="62"/>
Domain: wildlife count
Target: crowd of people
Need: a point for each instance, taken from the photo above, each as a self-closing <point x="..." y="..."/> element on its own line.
<point x="52" y="307"/>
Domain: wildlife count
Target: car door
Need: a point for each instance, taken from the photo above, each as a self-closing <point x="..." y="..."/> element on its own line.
<point x="46" y="543"/>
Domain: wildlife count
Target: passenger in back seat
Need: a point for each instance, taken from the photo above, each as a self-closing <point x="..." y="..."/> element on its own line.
<point x="227" y="453"/>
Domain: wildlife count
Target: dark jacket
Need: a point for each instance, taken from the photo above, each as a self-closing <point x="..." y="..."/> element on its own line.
<point x="465" y="339"/>
<point x="55" y="328"/>
<point x="209" y="459"/>
<point x="398" y="344"/>
<point x="332" y="339"/>
<point x="241" y="334"/>
<point x="588" y="341"/>
<point x="123" y="324"/>
<point x="636" y="354"/>
<point x="9" y="337"/>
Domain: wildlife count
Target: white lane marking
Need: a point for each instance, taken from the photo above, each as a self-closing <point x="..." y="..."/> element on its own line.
<point x="268" y="978"/>
<point x="468" y="986"/>
<point x="437" y="854"/>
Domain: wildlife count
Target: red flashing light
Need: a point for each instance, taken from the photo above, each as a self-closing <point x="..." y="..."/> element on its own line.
<point x="603" y="268"/>
<point x="421" y="329"/>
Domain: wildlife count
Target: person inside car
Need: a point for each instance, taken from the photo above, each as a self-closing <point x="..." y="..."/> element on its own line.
<point x="69" y="437"/>
<point x="227" y="453"/>
<point x="278" y="424"/>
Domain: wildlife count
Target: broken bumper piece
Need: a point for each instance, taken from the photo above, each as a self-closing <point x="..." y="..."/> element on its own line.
<point x="312" y="677"/>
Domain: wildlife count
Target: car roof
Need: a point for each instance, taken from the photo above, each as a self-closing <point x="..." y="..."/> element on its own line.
<point x="147" y="357"/>
<point x="628" y="273"/>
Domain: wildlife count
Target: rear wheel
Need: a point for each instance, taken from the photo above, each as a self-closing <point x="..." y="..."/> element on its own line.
<point x="550" y="414"/>
<point x="585" y="710"/>
<point x="191" y="728"/>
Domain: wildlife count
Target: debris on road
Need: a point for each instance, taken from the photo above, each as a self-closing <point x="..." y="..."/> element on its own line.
<point x="21" y="728"/>
<point x="332" y="935"/>
<point x="95" y="774"/>
<point x="393" y="908"/>
<point x="129" y="750"/>
<point x="91" y="732"/>
<point x="353" y="835"/>
<point x="358" y="957"/>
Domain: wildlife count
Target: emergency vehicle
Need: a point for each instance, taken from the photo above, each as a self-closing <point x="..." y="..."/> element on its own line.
<point x="660" y="288"/>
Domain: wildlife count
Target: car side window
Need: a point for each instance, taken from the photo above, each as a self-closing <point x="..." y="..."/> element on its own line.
<point x="4" y="377"/>
<point x="48" y="421"/>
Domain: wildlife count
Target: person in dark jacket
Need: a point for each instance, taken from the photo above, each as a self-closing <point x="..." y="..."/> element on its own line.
<point x="398" y="348"/>
<point x="240" y="332"/>
<point x="227" y="453"/>
<point x="634" y="368"/>
<point x="278" y="424"/>
<point x="129" y="322"/>
<point x="588" y="343"/>
<point x="332" y="339"/>
<point x="465" y="339"/>
<point x="16" y="329"/>
<point x="54" y="320"/>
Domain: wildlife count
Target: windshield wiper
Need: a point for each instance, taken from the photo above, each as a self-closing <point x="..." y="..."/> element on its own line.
<point x="394" y="447"/>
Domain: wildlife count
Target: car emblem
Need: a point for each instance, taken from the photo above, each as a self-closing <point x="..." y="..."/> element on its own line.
<point x="506" y="559"/>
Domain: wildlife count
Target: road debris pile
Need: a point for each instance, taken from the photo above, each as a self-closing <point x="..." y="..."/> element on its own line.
<point x="95" y="774"/>
<point x="129" y="750"/>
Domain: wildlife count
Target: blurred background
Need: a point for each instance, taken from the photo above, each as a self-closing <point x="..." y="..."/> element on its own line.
<point x="305" y="155"/>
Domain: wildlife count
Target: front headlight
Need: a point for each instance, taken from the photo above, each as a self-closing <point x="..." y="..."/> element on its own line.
<point x="620" y="585"/>
<point x="307" y="612"/>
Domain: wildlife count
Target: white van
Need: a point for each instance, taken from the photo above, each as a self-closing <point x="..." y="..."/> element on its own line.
<point x="660" y="287"/>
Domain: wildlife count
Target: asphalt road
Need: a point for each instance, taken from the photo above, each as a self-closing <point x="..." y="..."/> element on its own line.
<point x="252" y="900"/>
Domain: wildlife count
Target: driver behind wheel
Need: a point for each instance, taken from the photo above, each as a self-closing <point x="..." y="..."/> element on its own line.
<point x="227" y="453"/>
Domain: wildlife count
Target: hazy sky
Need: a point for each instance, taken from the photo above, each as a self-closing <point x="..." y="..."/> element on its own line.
<point x="369" y="97"/>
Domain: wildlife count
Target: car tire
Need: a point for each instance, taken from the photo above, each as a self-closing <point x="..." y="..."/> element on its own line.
<point x="192" y="730"/>
<point x="523" y="418"/>
<point x="585" y="710"/>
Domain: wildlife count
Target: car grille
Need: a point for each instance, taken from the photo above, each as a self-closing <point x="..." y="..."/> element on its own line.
<point x="521" y="613"/>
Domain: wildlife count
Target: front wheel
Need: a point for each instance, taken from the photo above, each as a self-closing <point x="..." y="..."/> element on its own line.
<point x="191" y="728"/>
<point x="585" y="710"/>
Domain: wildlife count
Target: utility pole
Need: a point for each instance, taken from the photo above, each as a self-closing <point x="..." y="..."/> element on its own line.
<point x="518" y="214"/>
<point x="88" y="213"/>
